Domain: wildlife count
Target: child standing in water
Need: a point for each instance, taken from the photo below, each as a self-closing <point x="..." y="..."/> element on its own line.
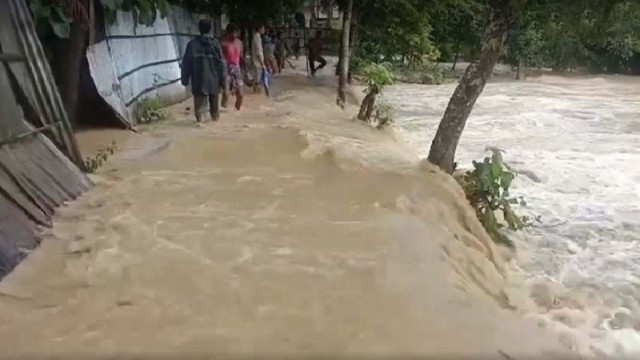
<point x="232" y="50"/>
<point x="269" y="52"/>
<point x="282" y="50"/>
<point x="296" y="46"/>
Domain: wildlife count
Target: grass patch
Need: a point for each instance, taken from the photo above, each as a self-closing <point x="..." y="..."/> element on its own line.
<point x="92" y="164"/>
<point x="149" y="111"/>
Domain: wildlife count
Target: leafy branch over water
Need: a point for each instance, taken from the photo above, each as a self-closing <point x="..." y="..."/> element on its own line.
<point x="487" y="189"/>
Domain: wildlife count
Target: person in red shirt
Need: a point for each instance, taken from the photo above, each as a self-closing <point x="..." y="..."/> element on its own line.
<point x="232" y="51"/>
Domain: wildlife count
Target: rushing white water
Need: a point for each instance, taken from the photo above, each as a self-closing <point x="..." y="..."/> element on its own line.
<point x="576" y="144"/>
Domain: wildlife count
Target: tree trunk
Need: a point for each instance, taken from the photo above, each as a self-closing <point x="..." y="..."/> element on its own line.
<point x="520" y="70"/>
<point x="66" y="67"/>
<point x="344" y="55"/>
<point x="313" y="20"/>
<point x="455" y="57"/>
<point x="339" y="65"/>
<point x="329" y="11"/>
<point x="354" y="37"/>
<point x="443" y="147"/>
<point x="362" y="114"/>
<point x="370" y="107"/>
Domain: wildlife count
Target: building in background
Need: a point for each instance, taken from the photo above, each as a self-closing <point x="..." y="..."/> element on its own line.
<point x="318" y="16"/>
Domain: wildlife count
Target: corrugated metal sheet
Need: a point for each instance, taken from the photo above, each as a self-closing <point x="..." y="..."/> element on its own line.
<point x="184" y="25"/>
<point x="35" y="176"/>
<point x="19" y="37"/>
<point x="145" y="60"/>
<point x="106" y="81"/>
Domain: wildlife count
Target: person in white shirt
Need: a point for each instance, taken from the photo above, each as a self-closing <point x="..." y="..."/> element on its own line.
<point x="257" y="56"/>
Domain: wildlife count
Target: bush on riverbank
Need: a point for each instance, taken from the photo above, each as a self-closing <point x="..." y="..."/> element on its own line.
<point x="377" y="77"/>
<point x="487" y="189"/>
<point x="426" y="74"/>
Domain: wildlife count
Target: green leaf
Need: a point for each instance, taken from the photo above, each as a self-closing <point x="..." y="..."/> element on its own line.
<point x="496" y="164"/>
<point x="163" y="7"/>
<point x="111" y="4"/>
<point x="148" y="12"/>
<point x="490" y="222"/>
<point x="40" y="10"/>
<point x="61" y="15"/>
<point x="61" y="29"/>
<point x="510" y="217"/>
<point x="110" y="16"/>
<point x="505" y="180"/>
<point x="485" y="175"/>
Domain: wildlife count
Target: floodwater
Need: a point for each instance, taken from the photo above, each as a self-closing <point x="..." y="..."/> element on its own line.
<point x="576" y="144"/>
<point x="286" y="229"/>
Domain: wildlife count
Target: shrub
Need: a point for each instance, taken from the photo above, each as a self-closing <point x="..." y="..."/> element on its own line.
<point x="425" y="73"/>
<point x="376" y="76"/>
<point x="432" y="74"/>
<point x="356" y="64"/>
<point x="149" y="111"/>
<point x="487" y="189"/>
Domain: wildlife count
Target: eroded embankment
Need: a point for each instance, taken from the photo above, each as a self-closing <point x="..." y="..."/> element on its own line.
<point x="286" y="228"/>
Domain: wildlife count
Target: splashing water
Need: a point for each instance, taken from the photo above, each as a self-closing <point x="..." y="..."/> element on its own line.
<point x="576" y="145"/>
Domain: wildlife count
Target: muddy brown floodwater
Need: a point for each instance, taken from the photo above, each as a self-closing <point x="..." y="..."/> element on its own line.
<point x="286" y="229"/>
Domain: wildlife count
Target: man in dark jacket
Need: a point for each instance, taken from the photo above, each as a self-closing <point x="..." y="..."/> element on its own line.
<point x="203" y="65"/>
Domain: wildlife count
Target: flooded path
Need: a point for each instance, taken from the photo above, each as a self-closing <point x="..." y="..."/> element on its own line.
<point x="285" y="229"/>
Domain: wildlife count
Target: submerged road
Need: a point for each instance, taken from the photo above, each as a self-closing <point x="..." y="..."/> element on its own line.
<point x="280" y="230"/>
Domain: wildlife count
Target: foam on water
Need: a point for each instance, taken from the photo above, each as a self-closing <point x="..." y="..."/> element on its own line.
<point x="576" y="145"/>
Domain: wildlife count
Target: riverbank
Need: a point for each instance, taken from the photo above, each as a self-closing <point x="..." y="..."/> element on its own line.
<point x="284" y="229"/>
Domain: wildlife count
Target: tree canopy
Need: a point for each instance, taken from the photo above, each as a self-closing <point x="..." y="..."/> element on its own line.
<point x="602" y="35"/>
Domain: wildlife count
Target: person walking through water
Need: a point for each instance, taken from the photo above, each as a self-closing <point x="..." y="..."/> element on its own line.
<point x="269" y="46"/>
<point x="257" y="56"/>
<point x="315" y="53"/>
<point x="281" y="52"/>
<point x="232" y="50"/>
<point x="203" y="66"/>
<point x="296" y="46"/>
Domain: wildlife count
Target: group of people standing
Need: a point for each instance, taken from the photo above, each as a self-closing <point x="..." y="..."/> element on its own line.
<point x="271" y="48"/>
<point x="210" y="66"/>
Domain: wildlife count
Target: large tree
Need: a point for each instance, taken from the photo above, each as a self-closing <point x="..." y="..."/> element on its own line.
<point x="445" y="143"/>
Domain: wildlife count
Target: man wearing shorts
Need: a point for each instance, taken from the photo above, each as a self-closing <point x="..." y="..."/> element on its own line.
<point x="257" y="56"/>
<point x="232" y="50"/>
